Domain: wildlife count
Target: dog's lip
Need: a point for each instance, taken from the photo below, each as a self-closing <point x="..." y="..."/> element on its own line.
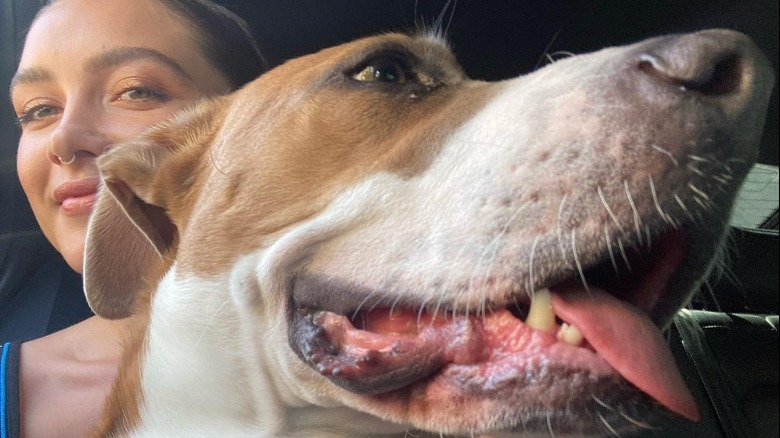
<point x="459" y="351"/>
<point x="367" y="362"/>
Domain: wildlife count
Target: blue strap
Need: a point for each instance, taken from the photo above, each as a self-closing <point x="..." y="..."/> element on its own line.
<point x="3" y="361"/>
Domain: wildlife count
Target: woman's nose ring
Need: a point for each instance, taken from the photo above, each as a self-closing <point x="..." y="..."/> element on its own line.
<point x="65" y="163"/>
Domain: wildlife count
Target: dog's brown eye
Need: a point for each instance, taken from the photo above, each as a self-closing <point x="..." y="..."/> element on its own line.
<point x="387" y="71"/>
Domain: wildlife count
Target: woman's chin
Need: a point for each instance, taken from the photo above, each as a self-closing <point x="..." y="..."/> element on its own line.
<point x="72" y="249"/>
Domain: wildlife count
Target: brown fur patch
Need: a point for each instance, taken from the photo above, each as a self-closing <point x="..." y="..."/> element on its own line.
<point x="282" y="156"/>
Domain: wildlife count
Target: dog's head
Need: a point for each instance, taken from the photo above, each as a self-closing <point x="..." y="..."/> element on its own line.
<point x="381" y="225"/>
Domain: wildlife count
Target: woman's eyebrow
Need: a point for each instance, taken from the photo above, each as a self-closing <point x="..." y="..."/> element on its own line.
<point x="121" y="55"/>
<point x="29" y="76"/>
<point x="107" y="59"/>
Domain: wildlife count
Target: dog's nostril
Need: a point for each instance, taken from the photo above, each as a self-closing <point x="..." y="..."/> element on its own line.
<point x="708" y="77"/>
<point x="725" y="79"/>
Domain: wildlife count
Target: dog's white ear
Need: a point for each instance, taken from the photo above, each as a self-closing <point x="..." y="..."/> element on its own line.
<point x="133" y="229"/>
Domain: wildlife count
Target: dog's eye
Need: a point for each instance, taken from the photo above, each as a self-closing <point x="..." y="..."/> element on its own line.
<point x="388" y="71"/>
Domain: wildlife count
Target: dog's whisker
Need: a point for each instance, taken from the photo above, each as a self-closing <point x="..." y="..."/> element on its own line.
<point x="452" y="14"/>
<point x="435" y="311"/>
<point x="378" y="303"/>
<point x="362" y="303"/>
<point x="692" y="167"/>
<point x="611" y="430"/>
<point x="634" y="421"/>
<point x="448" y="286"/>
<point x="577" y="260"/>
<point x="531" y="262"/>
<point x="519" y="308"/>
<point x="546" y="51"/>
<point x="611" y="252"/>
<point x="682" y="206"/>
<point x="601" y="402"/>
<point x="736" y="160"/>
<point x="722" y="188"/>
<point x="637" y="217"/>
<point x="700" y="194"/>
<point x="622" y="249"/>
<point x="722" y="179"/>
<point x="609" y="210"/>
<point x="549" y="425"/>
<point x="494" y="245"/>
<point x="395" y="303"/>
<point x="701" y="202"/>
<point x="675" y="223"/>
<point x="422" y="309"/>
<point x="698" y="158"/>
<point x="667" y="153"/>
<point x="562" y="54"/>
<point x="655" y="200"/>
<point x="649" y="234"/>
<point x="440" y="30"/>
<point x="559" y="230"/>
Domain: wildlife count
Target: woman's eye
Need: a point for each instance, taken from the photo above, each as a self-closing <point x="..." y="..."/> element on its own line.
<point x="142" y="94"/>
<point x="390" y="72"/>
<point x="35" y="114"/>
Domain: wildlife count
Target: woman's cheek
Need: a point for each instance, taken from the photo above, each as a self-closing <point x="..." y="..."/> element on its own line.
<point x="33" y="168"/>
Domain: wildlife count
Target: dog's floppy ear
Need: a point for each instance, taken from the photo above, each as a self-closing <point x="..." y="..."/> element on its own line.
<point x="132" y="231"/>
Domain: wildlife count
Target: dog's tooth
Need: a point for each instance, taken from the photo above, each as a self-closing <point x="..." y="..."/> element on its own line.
<point x="570" y="335"/>
<point x="541" y="315"/>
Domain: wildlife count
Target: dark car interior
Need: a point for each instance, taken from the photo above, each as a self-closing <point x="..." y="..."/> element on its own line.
<point x="726" y="343"/>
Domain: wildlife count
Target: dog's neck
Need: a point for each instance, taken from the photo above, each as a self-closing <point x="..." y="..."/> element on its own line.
<point x="191" y="363"/>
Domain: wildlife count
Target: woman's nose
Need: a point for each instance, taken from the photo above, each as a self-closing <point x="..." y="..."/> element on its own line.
<point x="78" y="136"/>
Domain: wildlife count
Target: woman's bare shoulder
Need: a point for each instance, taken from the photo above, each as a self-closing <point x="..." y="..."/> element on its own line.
<point x="65" y="377"/>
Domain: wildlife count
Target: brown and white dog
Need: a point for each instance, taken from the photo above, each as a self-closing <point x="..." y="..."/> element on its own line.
<point x="364" y="242"/>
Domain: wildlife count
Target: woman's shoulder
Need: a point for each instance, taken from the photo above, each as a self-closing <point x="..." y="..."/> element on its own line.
<point x="72" y="367"/>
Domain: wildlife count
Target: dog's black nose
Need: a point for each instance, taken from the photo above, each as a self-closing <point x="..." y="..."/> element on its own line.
<point x="713" y="63"/>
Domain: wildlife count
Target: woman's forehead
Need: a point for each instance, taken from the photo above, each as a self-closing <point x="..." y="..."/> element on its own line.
<point x="69" y="35"/>
<point x="86" y="27"/>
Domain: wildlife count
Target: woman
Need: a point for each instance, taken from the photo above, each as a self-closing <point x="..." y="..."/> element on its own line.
<point x="93" y="73"/>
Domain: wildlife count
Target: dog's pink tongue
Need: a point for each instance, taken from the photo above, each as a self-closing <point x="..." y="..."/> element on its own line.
<point x="629" y="341"/>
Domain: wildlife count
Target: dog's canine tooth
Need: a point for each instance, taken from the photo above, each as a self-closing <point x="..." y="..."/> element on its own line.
<point x="541" y="315"/>
<point x="570" y="335"/>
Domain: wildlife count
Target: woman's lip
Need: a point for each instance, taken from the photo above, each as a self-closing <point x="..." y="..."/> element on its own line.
<point x="77" y="197"/>
<point x="79" y="205"/>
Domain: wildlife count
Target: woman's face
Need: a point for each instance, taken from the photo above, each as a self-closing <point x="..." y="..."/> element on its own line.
<point x="94" y="73"/>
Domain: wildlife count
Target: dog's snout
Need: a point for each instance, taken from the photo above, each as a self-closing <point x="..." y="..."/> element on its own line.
<point x="712" y="63"/>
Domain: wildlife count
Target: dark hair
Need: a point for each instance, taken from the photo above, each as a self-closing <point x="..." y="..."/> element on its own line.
<point x="223" y="37"/>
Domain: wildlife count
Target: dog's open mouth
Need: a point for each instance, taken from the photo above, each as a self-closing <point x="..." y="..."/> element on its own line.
<point x="600" y="331"/>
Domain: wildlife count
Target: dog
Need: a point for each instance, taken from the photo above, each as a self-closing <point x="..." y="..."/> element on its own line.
<point x="364" y="242"/>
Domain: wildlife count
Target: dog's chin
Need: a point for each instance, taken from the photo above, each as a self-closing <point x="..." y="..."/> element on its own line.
<point x="493" y="368"/>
